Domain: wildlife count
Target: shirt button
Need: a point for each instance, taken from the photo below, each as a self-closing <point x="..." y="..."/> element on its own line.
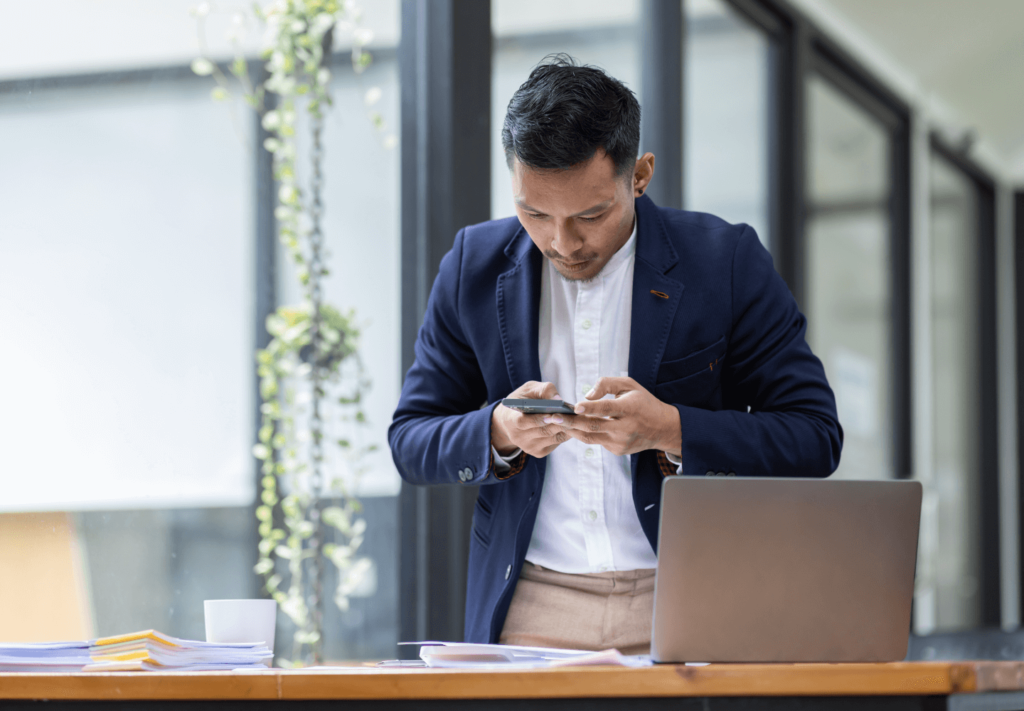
<point x="603" y="568"/>
<point x="589" y="454"/>
<point x="586" y="388"/>
<point x="592" y="515"/>
<point x="585" y="324"/>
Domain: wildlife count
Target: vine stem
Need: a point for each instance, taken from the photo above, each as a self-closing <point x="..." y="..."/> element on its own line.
<point x="316" y="605"/>
<point x="303" y="508"/>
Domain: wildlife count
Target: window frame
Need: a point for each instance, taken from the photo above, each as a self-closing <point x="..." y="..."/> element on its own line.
<point x="987" y="357"/>
<point x="799" y="49"/>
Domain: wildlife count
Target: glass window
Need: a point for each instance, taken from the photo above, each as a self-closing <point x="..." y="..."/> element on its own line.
<point x="127" y="277"/>
<point x="951" y="534"/>
<point x="849" y="282"/>
<point x="600" y="33"/>
<point x="128" y="284"/>
<point x="726" y="108"/>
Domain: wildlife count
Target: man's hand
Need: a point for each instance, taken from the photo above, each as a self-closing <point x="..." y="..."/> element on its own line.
<point x="634" y="421"/>
<point x="537" y="435"/>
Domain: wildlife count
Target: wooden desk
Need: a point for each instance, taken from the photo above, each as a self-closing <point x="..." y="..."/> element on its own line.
<point x="903" y="685"/>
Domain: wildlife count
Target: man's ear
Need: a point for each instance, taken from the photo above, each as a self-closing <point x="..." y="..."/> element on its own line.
<point x="642" y="173"/>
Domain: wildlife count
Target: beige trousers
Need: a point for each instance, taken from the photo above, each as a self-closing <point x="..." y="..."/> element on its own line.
<point x="591" y="611"/>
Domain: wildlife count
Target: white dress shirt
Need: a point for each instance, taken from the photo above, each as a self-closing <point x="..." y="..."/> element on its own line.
<point x="586" y="521"/>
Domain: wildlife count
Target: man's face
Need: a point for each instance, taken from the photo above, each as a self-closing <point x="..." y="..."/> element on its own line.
<point x="578" y="218"/>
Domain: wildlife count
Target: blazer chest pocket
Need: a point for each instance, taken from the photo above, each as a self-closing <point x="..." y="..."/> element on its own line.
<point x="694" y="379"/>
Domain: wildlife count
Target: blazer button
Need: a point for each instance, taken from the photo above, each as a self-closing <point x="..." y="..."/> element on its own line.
<point x="721" y="473"/>
<point x="508" y="572"/>
<point x="710" y="474"/>
<point x="731" y="474"/>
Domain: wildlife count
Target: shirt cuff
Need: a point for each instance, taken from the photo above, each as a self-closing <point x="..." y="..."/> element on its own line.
<point x="503" y="463"/>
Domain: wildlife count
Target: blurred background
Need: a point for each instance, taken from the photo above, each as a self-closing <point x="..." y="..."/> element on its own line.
<point x="877" y="147"/>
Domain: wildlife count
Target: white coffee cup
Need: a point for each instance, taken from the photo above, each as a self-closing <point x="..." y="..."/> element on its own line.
<point x="241" y="621"/>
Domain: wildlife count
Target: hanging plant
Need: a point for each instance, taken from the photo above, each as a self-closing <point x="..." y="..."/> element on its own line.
<point x="310" y="372"/>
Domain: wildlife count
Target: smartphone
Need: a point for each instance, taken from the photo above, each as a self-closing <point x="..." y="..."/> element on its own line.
<point x="539" y="407"/>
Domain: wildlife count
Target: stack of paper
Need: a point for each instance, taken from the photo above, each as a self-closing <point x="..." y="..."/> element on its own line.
<point x="152" y="651"/>
<point x="462" y="655"/>
<point x="44" y="657"/>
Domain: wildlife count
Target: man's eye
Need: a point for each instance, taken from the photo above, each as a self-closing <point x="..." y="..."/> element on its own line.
<point x="535" y="215"/>
<point x="592" y="219"/>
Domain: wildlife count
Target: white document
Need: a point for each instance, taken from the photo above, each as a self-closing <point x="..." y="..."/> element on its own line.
<point x="458" y="655"/>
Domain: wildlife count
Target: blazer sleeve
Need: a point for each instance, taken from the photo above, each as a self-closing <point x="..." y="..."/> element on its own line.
<point x="440" y="434"/>
<point x="792" y="428"/>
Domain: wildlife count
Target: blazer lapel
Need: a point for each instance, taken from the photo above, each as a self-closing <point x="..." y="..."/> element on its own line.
<point x="518" y="295"/>
<point x="655" y="300"/>
<point x="655" y="296"/>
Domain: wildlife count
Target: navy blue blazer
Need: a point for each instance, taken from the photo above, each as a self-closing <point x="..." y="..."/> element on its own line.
<point x="726" y="347"/>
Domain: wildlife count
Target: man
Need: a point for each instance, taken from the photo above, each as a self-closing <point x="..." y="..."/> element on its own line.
<point x="681" y="346"/>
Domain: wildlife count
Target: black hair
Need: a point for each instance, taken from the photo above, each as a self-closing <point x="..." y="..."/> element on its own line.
<point x="565" y="111"/>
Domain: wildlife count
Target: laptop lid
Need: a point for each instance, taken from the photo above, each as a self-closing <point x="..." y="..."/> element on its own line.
<point x="784" y="570"/>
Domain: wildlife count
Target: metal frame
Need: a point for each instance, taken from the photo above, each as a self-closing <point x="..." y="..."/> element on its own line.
<point x="445" y="75"/>
<point x="663" y="27"/>
<point x="842" y="73"/>
<point x="265" y="303"/>
<point x="800" y="51"/>
<point x="788" y="33"/>
<point x="1018" y="235"/>
<point x="988" y="427"/>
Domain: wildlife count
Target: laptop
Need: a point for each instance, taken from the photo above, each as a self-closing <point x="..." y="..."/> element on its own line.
<point x="784" y="570"/>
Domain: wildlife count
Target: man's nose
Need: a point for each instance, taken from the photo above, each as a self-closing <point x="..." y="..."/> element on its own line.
<point x="566" y="240"/>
